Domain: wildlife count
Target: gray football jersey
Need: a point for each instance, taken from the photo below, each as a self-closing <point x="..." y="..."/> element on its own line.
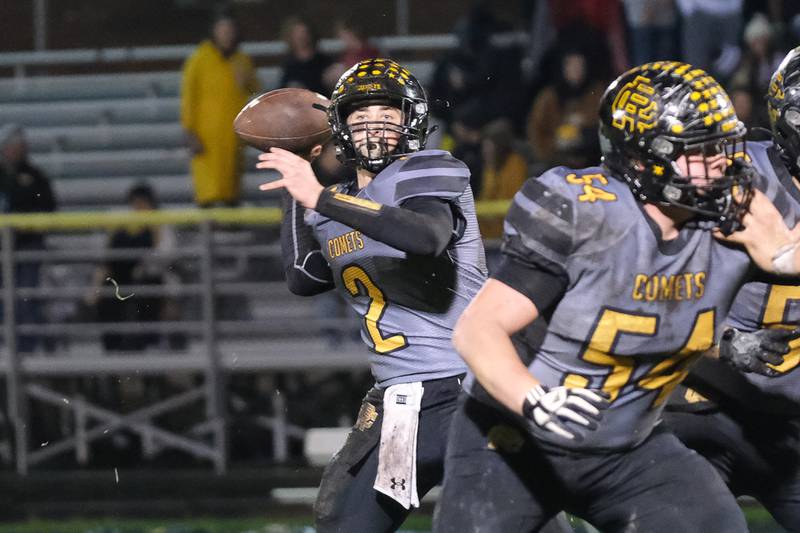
<point x="763" y="305"/>
<point x="637" y="311"/>
<point x="408" y="304"/>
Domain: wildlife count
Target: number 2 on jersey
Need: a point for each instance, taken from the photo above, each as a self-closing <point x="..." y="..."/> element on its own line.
<point x="357" y="281"/>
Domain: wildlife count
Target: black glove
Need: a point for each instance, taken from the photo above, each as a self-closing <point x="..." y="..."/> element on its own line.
<point x="752" y="351"/>
<point x="553" y="411"/>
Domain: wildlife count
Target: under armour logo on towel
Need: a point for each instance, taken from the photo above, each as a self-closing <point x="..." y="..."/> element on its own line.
<point x="401" y="483"/>
<point x="401" y="399"/>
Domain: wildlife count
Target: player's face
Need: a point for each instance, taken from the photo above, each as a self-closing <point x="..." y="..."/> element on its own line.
<point x="375" y="129"/>
<point x="703" y="168"/>
<point x="225" y="34"/>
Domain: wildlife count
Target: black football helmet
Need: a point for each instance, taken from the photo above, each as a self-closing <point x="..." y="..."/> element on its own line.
<point x="783" y="105"/>
<point x="378" y="82"/>
<point x="653" y="114"/>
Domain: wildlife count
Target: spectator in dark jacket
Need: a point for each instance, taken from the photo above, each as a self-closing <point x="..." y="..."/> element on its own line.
<point x="305" y="66"/>
<point x="26" y="190"/>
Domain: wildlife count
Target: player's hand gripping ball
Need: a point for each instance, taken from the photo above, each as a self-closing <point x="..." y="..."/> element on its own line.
<point x="293" y="119"/>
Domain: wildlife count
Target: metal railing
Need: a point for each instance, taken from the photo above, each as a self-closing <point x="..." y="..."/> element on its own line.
<point x="286" y="338"/>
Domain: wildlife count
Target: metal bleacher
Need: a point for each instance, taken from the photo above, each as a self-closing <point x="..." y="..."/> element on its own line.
<point x="87" y="128"/>
<point x="84" y="129"/>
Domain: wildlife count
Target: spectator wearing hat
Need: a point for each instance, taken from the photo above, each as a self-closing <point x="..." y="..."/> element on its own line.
<point x="24" y="189"/>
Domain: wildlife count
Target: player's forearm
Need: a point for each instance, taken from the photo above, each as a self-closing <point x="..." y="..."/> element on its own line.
<point x="307" y="272"/>
<point x="491" y="356"/>
<point x="420" y="233"/>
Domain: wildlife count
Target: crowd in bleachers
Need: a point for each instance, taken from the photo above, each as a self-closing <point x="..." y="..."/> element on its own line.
<point x="499" y="104"/>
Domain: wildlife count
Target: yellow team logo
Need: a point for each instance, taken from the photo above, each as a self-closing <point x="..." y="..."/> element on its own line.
<point x="367" y="416"/>
<point x="634" y="108"/>
<point x="775" y="93"/>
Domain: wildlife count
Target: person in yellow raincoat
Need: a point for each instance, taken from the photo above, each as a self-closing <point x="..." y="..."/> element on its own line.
<point x="218" y="80"/>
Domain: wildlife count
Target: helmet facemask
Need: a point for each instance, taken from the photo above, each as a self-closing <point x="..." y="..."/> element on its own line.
<point x="786" y="130"/>
<point x="385" y="141"/>
<point x="783" y="106"/>
<point x="723" y="198"/>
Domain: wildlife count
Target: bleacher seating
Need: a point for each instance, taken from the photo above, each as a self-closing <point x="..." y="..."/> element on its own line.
<point x="125" y="126"/>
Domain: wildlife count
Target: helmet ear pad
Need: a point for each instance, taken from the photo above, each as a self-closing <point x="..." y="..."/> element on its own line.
<point x="378" y="82"/>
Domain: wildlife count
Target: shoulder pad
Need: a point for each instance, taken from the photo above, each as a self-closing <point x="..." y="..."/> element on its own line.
<point x="774" y="180"/>
<point x="541" y="219"/>
<point x="427" y="173"/>
<point x="599" y="205"/>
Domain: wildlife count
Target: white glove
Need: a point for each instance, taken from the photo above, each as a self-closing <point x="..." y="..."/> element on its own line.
<point x="554" y="410"/>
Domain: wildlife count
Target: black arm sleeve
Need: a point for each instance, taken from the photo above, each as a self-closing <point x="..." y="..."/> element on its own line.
<point x="423" y="225"/>
<point x="543" y="282"/>
<point x="307" y="271"/>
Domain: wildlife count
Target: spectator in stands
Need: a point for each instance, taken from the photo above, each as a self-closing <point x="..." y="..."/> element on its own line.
<point x="306" y="66"/>
<point x="597" y="27"/>
<point x="27" y="190"/>
<point x="504" y="166"/>
<point x="154" y="266"/>
<point x="710" y="34"/>
<point x="218" y="79"/>
<point x="468" y="75"/>
<point x="759" y="61"/>
<point x="653" y="28"/>
<point x="504" y="170"/>
<point x="356" y="44"/>
<point x="356" y="48"/>
<point x="562" y="124"/>
<point x="464" y="142"/>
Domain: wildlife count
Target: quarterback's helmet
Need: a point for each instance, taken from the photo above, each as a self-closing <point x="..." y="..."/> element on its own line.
<point x="653" y="114"/>
<point x="378" y="82"/>
<point x="783" y="104"/>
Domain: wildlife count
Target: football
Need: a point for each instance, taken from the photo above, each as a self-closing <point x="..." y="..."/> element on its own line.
<point x="292" y="119"/>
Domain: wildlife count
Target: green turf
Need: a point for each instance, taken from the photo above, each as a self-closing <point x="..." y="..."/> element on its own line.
<point x="758" y="520"/>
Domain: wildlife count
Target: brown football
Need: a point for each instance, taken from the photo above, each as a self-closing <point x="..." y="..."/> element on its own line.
<point x="292" y="119"/>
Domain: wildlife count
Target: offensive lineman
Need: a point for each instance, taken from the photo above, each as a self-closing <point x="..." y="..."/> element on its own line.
<point x="620" y="262"/>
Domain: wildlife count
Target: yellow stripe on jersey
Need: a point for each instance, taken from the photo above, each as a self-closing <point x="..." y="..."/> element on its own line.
<point x="360" y="202"/>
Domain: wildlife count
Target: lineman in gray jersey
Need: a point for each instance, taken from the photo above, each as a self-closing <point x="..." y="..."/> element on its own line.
<point x="748" y="424"/>
<point x="619" y="261"/>
<point x="402" y="244"/>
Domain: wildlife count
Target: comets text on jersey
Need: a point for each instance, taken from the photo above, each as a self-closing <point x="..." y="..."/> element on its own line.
<point x="345" y="244"/>
<point x="659" y="287"/>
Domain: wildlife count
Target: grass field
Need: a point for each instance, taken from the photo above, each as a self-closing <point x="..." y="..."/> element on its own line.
<point x="757" y="518"/>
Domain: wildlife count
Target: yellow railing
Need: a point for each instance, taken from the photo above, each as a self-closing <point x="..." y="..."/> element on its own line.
<point x="87" y="220"/>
